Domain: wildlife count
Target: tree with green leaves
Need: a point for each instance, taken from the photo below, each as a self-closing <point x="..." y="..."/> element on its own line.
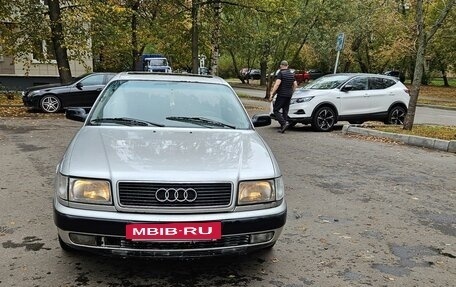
<point x="34" y="32"/>
<point x="423" y="38"/>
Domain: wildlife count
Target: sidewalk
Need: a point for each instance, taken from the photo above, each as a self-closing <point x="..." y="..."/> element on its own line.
<point x="431" y="143"/>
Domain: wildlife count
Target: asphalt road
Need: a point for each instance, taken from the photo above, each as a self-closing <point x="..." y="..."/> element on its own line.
<point x="423" y="115"/>
<point x="360" y="213"/>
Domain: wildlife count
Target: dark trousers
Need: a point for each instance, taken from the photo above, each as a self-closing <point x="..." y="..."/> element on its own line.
<point x="281" y="103"/>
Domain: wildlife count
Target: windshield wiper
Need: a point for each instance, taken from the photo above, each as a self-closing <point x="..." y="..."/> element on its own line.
<point x="125" y="121"/>
<point x="201" y="121"/>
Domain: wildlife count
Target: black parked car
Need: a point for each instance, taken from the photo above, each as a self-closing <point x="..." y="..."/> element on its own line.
<point x="82" y="92"/>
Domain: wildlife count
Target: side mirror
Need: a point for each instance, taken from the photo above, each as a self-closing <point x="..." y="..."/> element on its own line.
<point x="347" y="88"/>
<point x="261" y="120"/>
<point x="79" y="85"/>
<point x="76" y="114"/>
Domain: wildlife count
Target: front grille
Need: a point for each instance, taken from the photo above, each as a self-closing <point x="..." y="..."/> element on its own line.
<point x="226" y="241"/>
<point x="142" y="194"/>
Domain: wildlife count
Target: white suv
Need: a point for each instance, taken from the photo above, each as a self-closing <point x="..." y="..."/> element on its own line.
<point x="349" y="97"/>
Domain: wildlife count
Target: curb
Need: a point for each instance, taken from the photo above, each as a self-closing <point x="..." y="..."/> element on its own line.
<point x="431" y="143"/>
<point x="437" y="107"/>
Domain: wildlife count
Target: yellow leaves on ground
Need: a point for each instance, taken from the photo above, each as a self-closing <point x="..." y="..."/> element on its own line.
<point x="23" y="112"/>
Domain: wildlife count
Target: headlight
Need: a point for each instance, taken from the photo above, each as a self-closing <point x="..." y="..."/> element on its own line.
<point x="90" y="191"/>
<point x="256" y="192"/>
<point x="300" y="100"/>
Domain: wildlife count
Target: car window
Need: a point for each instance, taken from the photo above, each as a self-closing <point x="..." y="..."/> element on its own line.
<point x="358" y="83"/>
<point x="377" y="83"/>
<point x="93" y="80"/>
<point x="157" y="101"/>
<point x="325" y="83"/>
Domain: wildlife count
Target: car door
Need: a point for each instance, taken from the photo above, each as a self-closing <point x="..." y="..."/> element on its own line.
<point x="353" y="97"/>
<point x="85" y="92"/>
<point x="380" y="96"/>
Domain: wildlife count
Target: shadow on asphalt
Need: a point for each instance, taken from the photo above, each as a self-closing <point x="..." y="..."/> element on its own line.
<point x="307" y="128"/>
<point x="213" y="271"/>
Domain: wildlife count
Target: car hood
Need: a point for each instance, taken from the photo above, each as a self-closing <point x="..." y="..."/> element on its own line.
<point x="168" y="154"/>
<point x="311" y="92"/>
<point x="45" y="88"/>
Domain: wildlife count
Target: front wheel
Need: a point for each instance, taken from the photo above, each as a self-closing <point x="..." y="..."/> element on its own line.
<point x="396" y="116"/>
<point x="50" y="104"/>
<point x="324" y="119"/>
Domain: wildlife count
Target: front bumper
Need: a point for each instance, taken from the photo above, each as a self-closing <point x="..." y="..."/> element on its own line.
<point x="30" y="102"/>
<point x="108" y="231"/>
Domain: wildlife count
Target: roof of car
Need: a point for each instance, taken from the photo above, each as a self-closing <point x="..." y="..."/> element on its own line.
<point x="357" y="74"/>
<point x="170" y="77"/>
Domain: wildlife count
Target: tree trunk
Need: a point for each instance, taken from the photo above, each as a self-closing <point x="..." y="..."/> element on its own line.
<point x="445" y="78"/>
<point x="136" y="65"/>
<point x="216" y="37"/>
<point x="195" y="61"/>
<point x="58" y="41"/>
<point x="235" y="65"/>
<point x="419" y="67"/>
<point x="264" y="62"/>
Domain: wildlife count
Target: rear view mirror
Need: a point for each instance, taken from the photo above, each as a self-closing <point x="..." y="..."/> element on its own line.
<point x="79" y="85"/>
<point x="346" y="88"/>
<point x="261" y="120"/>
<point x="76" y="114"/>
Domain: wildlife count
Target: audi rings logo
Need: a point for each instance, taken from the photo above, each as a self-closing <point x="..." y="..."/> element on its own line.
<point x="176" y="195"/>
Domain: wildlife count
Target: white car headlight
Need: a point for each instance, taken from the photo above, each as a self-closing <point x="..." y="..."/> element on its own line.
<point x="300" y="100"/>
<point x="90" y="191"/>
<point x="256" y="192"/>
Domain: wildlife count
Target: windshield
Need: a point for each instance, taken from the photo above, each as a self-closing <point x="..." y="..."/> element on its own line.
<point x="169" y="104"/>
<point x="327" y="82"/>
<point x="157" y="62"/>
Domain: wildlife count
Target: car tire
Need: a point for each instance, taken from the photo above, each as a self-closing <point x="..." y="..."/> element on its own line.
<point x="324" y="119"/>
<point x="396" y="116"/>
<point x="65" y="247"/>
<point x="50" y="104"/>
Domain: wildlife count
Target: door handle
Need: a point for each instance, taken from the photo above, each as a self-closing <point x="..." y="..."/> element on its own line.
<point x="99" y="89"/>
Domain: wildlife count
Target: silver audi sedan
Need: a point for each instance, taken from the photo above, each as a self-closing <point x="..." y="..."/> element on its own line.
<point x="168" y="165"/>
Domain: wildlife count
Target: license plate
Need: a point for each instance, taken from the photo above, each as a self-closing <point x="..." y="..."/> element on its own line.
<point x="188" y="231"/>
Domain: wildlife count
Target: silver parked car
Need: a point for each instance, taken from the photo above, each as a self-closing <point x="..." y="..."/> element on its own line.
<point x="168" y="165"/>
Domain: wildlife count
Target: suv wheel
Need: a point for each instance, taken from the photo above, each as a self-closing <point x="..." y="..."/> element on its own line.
<point x="324" y="119"/>
<point x="50" y="104"/>
<point x="396" y="116"/>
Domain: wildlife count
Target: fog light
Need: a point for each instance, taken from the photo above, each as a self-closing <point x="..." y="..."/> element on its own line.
<point x="83" y="239"/>
<point x="261" y="237"/>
